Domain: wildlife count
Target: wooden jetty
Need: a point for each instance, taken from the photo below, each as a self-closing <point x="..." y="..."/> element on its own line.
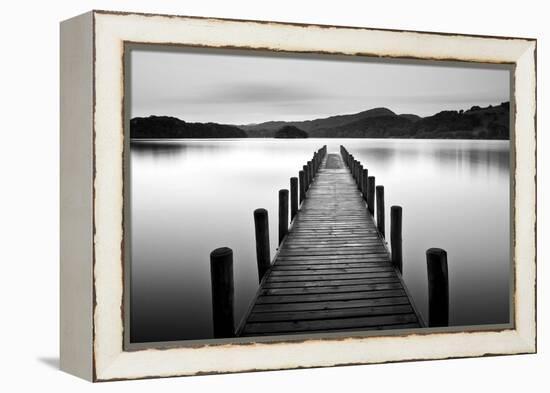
<point x="332" y="271"/>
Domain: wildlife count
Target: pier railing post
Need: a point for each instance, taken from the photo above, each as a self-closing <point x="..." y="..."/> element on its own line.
<point x="380" y="214"/>
<point x="221" y="278"/>
<point x="283" y="214"/>
<point x="261" y="225"/>
<point x="306" y="177"/>
<point x="293" y="197"/>
<point x="396" y="218"/>
<point x="319" y="161"/>
<point x="359" y="176"/>
<point x="438" y="287"/>
<point x="314" y="161"/>
<point x="364" y="180"/>
<point x="371" y="184"/>
<point x="302" y="178"/>
<point x="310" y="169"/>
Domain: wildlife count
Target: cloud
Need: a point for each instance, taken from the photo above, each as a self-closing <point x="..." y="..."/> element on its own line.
<point x="242" y="89"/>
<point x="243" y="93"/>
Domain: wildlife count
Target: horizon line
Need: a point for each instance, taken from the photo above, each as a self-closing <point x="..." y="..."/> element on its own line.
<point x="322" y="118"/>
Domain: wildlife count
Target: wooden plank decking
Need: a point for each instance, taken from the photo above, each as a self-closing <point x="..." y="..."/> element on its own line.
<point x="333" y="271"/>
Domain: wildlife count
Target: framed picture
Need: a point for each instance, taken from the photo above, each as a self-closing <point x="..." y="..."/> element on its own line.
<point x="247" y="195"/>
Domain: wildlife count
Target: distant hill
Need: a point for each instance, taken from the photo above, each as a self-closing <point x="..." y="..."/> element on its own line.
<point x="476" y="123"/>
<point x="410" y="116"/>
<point x="368" y="127"/>
<point x="269" y="128"/>
<point x="290" y="132"/>
<point x="490" y="122"/>
<point x="171" y="127"/>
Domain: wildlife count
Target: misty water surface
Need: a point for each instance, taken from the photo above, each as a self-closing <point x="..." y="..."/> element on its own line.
<point x="189" y="197"/>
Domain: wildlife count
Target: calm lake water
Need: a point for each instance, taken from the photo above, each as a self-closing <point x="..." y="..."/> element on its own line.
<point x="192" y="196"/>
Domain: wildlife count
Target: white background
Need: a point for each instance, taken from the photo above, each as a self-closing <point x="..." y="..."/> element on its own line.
<point x="29" y="228"/>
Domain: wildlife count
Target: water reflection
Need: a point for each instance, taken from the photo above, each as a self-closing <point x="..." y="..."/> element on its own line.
<point x="169" y="149"/>
<point x="189" y="197"/>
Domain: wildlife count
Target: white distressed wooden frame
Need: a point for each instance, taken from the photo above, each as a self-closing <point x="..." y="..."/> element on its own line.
<point x="92" y="151"/>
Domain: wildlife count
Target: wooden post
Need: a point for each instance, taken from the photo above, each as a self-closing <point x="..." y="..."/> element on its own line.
<point x="293" y="197"/>
<point x="359" y="176"/>
<point x="310" y="169"/>
<point x="283" y="214"/>
<point x="396" y="218"/>
<point x="263" y="258"/>
<point x="306" y="177"/>
<point x="316" y="161"/>
<point x="319" y="160"/>
<point x="438" y="287"/>
<point x="380" y="214"/>
<point x="301" y="176"/>
<point x="371" y="184"/>
<point x="364" y="186"/>
<point x="221" y="279"/>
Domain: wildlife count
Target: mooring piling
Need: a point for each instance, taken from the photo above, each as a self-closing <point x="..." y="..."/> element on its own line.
<point x="283" y="214"/>
<point x="371" y="187"/>
<point x="302" y="178"/>
<point x="263" y="257"/>
<point x="396" y="218"/>
<point x="293" y="197"/>
<point x="380" y="213"/>
<point x="438" y="287"/>
<point x="221" y="279"/>
<point x="364" y="186"/>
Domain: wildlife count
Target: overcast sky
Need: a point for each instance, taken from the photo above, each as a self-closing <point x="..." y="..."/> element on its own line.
<point x="228" y="87"/>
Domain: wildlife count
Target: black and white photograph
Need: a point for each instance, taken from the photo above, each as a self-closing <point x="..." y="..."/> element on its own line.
<point x="277" y="194"/>
<point x="242" y="196"/>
